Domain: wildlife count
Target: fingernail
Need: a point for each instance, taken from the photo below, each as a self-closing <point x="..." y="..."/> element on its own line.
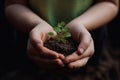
<point x="81" y="50"/>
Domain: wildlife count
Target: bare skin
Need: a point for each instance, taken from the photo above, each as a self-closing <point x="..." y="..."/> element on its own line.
<point x="27" y="21"/>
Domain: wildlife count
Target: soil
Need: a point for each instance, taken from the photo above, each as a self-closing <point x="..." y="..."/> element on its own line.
<point x="65" y="48"/>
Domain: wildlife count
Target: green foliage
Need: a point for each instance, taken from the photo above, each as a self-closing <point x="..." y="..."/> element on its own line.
<point x="62" y="32"/>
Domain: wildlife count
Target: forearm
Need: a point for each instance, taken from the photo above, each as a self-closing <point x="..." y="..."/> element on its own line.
<point x="22" y="17"/>
<point x="98" y="15"/>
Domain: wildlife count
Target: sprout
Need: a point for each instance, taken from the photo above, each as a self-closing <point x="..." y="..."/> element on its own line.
<point x="62" y="32"/>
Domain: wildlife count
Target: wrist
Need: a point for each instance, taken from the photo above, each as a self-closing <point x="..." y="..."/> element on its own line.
<point x="75" y="25"/>
<point x="41" y="26"/>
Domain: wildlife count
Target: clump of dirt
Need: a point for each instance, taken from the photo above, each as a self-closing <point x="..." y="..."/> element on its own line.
<point x="65" y="48"/>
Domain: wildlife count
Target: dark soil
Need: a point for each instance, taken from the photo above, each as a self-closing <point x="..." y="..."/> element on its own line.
<point x="65" y="48"/>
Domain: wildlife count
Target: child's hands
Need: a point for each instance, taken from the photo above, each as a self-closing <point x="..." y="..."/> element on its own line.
<point x="85" y="48"/>
<point x="43" y="56"/>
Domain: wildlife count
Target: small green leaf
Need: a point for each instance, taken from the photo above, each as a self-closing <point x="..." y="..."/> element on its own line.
<point x="61" y="24"/>
<point x="51" y="33"/>
<point x="65" y="29"/>
<point x="67" y="34"/>
<point x="57" y="29"/>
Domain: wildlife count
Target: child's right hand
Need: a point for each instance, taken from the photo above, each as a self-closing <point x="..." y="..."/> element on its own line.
<point x="43" y="56"/>
<point x="85" y="50"/>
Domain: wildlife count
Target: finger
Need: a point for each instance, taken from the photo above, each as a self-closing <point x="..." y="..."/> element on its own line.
<point x="47" y="63"/>
<point x="84" y="42"/>
<point x="50" y="53"/>
<point x="31" y="50"/>
<point x="89" y="51"/>
<point x="45" y="53"/>
<point x="79" y="63"/>
<point x="36" y="37"/>
<point x="75" y="56"/>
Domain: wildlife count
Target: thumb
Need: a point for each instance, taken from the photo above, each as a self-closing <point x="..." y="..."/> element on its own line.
<point x="84" y="43"/>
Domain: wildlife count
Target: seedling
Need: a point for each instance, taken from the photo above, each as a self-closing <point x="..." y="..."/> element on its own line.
<point x="62" y="32"/>
<point x="62" y="42"/>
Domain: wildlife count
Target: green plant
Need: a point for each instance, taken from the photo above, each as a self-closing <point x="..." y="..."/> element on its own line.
<point x="62" y="31"/>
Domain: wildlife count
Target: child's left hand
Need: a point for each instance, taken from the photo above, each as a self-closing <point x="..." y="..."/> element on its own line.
<point x="85" y="48"/>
